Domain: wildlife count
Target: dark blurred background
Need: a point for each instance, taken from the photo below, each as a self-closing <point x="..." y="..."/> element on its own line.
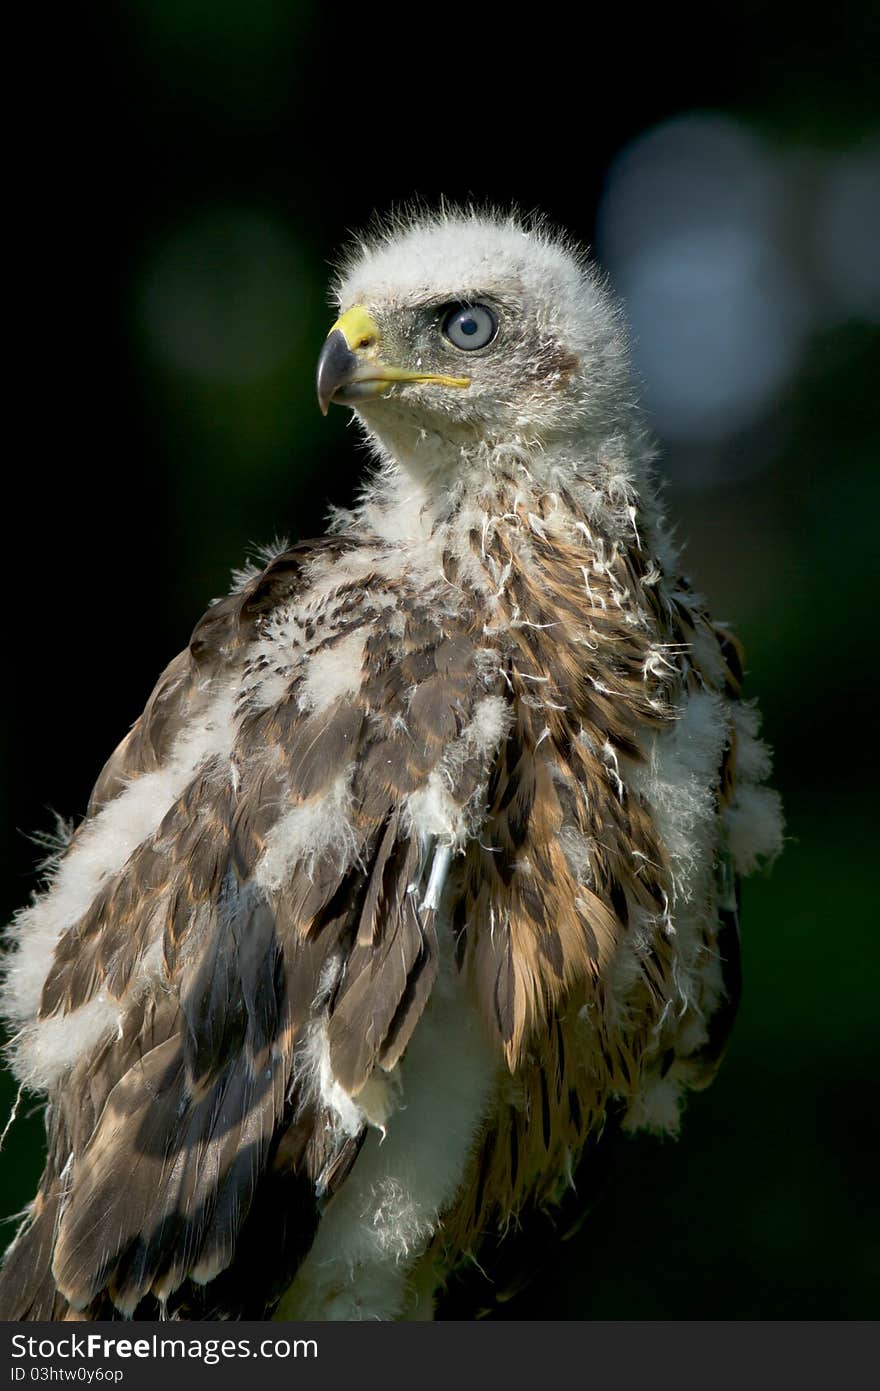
<point x="188" y="167"/>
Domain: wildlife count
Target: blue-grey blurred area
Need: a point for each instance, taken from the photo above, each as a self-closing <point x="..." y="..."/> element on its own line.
<point x="199" y="167"/>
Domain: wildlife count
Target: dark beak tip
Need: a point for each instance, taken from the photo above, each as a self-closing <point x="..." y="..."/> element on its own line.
<point x="336" y="365"/>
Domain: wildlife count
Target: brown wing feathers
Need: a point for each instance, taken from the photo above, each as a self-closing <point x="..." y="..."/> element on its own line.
<point x="197" y="1108"/>
<point x="198" y="1114"/>
<point x="534" y="966"/>
<point x="389" y="971"/>
<point x="547" y="932"/>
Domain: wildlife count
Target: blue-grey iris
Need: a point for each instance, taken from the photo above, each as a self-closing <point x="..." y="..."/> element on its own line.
<point x="470" y="326"/>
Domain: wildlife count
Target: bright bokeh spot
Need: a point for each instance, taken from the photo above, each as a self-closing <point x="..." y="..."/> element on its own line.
<point x="689" y="229"/>
<point x="729" y="254"/>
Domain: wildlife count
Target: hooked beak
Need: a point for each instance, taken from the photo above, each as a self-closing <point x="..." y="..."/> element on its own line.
<point x="350" y="368"/>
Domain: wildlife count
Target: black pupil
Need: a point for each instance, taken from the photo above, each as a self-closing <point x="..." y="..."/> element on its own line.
<point x="468" y="326"/>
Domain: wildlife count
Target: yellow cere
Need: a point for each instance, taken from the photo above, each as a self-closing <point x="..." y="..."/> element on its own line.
<point x="358" y="328"/>
<point x="363" y="336"/>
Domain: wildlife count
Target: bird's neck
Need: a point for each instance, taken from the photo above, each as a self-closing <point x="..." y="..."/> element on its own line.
<point x="503" y="501"/>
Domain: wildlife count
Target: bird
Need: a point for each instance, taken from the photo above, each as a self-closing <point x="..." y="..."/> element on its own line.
<point x="416" y="882"/>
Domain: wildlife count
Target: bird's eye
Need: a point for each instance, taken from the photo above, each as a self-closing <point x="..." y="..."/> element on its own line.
<point x="470" y="326"/>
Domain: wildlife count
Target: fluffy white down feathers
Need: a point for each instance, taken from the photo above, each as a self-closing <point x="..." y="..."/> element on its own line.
<point x="480" y="500"/>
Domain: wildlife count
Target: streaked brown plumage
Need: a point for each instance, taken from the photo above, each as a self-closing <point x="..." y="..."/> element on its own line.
<point x="271" y="943"/>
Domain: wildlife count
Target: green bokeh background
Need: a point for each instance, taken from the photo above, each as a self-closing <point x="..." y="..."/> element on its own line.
<point x="206" y="161"/>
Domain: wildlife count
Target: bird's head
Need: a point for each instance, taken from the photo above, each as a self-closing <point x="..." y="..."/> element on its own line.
<point x="466" y="331"/>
